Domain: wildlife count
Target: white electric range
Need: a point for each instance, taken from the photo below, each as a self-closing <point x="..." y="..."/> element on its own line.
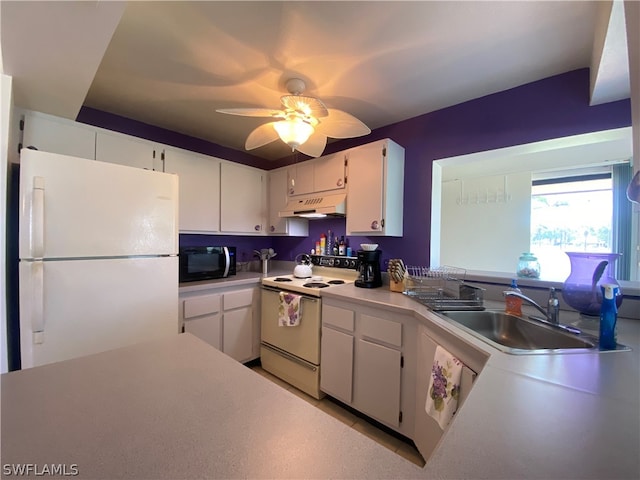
<point x="293" y="353"/>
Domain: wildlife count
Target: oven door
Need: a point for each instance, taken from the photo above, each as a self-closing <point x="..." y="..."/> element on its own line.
<point x="303" y="340"/>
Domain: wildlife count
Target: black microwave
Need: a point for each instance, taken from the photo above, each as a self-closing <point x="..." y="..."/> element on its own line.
<point x="204" y="263"/>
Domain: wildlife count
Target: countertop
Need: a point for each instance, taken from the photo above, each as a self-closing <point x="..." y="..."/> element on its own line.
<point x="176" y="408"/>
<point x="536" y="416"/>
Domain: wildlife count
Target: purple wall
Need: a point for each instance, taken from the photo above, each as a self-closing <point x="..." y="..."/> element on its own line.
<point x="554" y="107"/>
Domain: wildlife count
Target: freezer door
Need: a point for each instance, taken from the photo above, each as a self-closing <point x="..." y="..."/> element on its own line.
<point x="74" y="207"/>
<point x="69" y="309"/>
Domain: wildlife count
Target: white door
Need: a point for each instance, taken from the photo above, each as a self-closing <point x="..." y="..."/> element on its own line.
<point x="366" y="187"/>
<point x="72" y="308"/>
<point x="329" y="173"/>
<point x="126" y="150"/>
<point x="50" y="134"/>
<point x="242" y="202"/>
<point x="70" y="207"/>
<point x="199" y="190"/>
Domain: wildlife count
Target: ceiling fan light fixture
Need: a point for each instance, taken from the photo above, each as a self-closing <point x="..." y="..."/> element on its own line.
<point x="293" y="131"/>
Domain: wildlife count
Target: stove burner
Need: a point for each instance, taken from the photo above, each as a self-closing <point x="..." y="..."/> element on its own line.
<point x="315" y="285"/>
<point x="336" y="282"/>
<point x="281" y="279"/>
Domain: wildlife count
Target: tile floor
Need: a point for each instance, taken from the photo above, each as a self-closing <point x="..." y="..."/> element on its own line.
<point x="390" y="440"/>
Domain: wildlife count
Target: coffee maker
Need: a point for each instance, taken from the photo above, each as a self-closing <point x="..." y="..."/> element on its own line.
<point x="368" y="266"/>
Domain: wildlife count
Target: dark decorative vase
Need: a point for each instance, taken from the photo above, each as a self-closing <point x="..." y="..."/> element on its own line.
<point x="581" y="289"/>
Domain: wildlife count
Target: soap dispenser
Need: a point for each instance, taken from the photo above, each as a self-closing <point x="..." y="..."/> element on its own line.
<point x="513" y="304"/>
<point x="608" y="317"/>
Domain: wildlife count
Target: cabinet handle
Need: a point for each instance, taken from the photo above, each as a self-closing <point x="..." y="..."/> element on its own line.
<point x="257" y="228"/>
<point x="340" y="182"/>
<point x="273" y="229"/>
<point x="291" y="191"/>
<point x="375" y="225"/>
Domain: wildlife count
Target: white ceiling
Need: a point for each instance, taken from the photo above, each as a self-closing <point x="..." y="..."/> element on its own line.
<point x="172" y="64"/>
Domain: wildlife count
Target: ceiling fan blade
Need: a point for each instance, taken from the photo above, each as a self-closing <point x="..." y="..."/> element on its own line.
<point x="340" y="124"/>
<point x="261" y="136"/>
<point x="252" y="112"/>
<point x="314" y="146"/>
<point x="308" y="105"/>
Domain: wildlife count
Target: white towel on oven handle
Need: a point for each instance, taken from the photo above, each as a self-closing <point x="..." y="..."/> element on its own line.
<point x="289" y="310"/>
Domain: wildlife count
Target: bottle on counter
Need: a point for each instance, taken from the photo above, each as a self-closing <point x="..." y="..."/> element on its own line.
<point x="323" y="244"/>
<point x="513" y="304"/>
<point x="336" y="246"/>
<point x="342" y="247"/>
<point x="347" y="248"/>
<point x="329" y="249"/>
<point x="608" y="317"/>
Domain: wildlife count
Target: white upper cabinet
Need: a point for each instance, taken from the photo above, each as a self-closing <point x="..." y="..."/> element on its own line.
<point x="300" y="178"/>
<point x="319" y="175"/>
<point x="199" y="178"/>
<point x="278" y="181"/>
<point x="57" y="135"/>
<point x="123" y="149"/>
<point x="242" y="199"/>
<point x="376" y="189"/>
<point x="329" y="172"/>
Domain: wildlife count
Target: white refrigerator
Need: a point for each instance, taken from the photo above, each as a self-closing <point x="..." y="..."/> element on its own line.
<point x="98" y="264"/>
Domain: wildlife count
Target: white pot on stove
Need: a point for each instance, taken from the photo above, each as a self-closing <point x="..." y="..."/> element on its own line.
<point x="303" y="269"/>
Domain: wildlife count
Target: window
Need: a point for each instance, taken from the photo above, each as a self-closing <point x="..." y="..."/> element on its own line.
<point x="570" y="214"/>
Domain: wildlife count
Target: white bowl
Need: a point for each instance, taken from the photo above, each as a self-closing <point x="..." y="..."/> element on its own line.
<point x="369" y="247"/>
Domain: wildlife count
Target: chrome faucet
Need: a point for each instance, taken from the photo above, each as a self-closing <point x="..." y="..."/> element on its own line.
<point x="552" y="314"/>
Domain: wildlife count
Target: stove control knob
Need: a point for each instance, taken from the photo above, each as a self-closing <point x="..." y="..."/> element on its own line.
<point x="331" y="262"/>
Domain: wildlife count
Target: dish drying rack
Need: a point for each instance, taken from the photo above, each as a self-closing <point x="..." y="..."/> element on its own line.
<point x="442" y="288"/>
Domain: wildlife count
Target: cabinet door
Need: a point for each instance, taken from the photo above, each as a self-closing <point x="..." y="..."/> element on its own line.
<point x="377" y="377"/>
<point x="242" y="209"/>
<point x="366" y="186"/>
<point x="199" y="190"/>
<point x="278" y="197"/>
<point x="277" y="200"/>
<point x="207" y="328"/>
<point x="55" y="135"/>
<point x="126" y="150"/>
<point x="300" y="178"/>
<point x="336" y="376"/>
<point x="329" y="172"/>
<point x="238" y="334"/>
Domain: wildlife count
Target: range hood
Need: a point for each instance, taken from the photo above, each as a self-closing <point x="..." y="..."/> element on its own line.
<point x="317" y="206"/>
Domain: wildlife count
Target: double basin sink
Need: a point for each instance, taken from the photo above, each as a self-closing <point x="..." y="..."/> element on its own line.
<point x="518" y="335"/>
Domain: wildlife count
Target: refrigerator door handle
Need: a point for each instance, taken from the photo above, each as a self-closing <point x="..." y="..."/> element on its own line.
<point x="227" y="262"/>
<point x="37" y="218"/>
<point x="37" y="301"/>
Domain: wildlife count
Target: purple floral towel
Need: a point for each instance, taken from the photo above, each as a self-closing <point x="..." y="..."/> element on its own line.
<point x="289" y="310"/>
<point x="444" y="387"/>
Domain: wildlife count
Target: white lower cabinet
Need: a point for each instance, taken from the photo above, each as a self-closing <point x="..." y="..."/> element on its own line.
<point x="379" y="361"/>
<point x="364" y="362"/>
<point x="224" y="317"/>
<point x="427" y="431"/>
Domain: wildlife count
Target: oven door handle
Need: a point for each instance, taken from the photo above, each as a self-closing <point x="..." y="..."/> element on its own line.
<point x="304" y="297"/>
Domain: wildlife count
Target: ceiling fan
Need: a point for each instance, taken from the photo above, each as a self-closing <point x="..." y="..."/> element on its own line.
<point x="304" y="123"/>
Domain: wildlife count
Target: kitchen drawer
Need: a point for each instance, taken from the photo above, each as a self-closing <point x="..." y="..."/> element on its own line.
<point x="341" y="318"/>
<point x="241" y="298"/>
<point x="201" y="305"/>
<point x="376" y="328"/>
